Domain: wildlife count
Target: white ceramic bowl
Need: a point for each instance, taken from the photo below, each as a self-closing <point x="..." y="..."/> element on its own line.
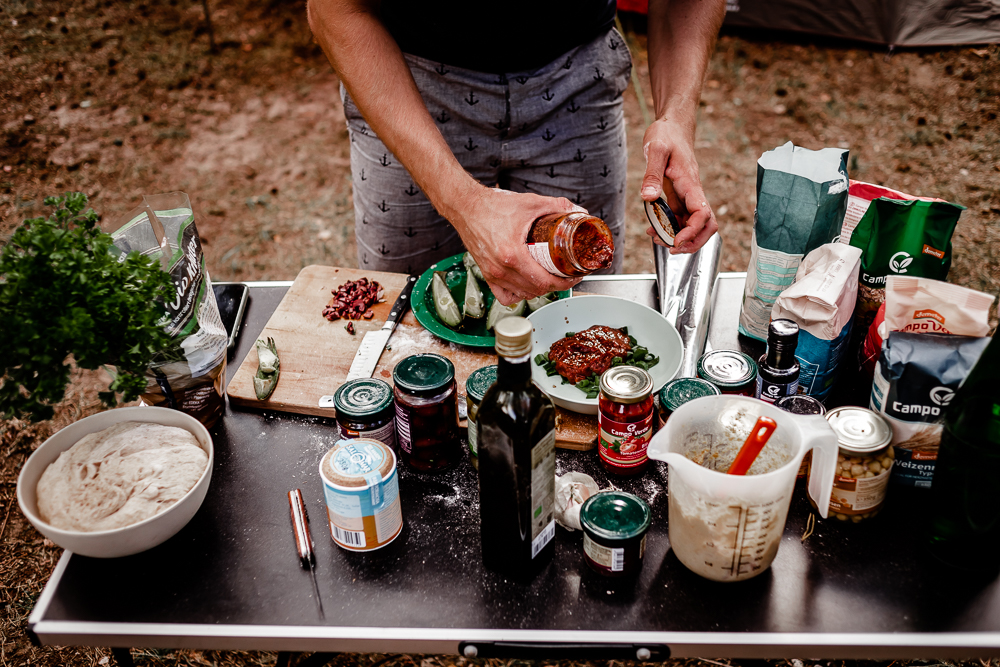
<point x="129" y="539"/>
<point x="577" y="313"/>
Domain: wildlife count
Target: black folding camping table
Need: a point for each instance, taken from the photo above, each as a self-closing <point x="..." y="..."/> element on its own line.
<point x="231" y="580"/>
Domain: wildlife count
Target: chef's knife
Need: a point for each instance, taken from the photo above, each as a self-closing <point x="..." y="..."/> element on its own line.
<point x="374" y="341"/>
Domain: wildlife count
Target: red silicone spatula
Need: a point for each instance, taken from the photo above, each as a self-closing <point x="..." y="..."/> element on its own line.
<point x="758" y="437"/>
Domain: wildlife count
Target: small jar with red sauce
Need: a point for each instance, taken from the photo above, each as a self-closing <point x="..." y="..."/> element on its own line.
<point x="625" y="420"/>
<point x="426" y="398"/>
<point x="571" y="244"/>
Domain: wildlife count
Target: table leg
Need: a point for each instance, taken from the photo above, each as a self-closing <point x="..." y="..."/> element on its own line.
<point x="123" y="656"/>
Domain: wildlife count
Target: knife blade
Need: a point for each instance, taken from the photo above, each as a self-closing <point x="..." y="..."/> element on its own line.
<point x="374" y="342"/>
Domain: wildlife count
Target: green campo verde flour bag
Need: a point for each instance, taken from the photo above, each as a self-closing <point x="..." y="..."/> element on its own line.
<point x="801" y="199"/>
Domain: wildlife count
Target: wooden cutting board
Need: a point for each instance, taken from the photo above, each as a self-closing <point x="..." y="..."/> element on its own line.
<point x="316" y="353"/>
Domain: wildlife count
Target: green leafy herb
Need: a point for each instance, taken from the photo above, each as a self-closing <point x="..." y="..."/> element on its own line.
<point x="66" y="297"/>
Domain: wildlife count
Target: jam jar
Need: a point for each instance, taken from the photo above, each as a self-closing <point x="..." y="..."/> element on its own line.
<point x="479" y="381"/>
<point x="625" y="419"/>
<point x="730" y="370"/>
<point x="614" y="532"/>
<point x="800" y="404"/>
<point x="571" y="244"/>
<point x="365" y="410"/>
<point x="427" y="412"/>
<point x="678" y="392"/>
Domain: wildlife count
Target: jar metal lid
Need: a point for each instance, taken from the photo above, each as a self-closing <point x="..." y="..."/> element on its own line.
<point x="678" y="392"/>
<point x="363" y="397"/>
<point x="423" y="374"/>
<point x="615" y="515"/>
<point x="727" y="369"/>
<point x="626" y="384"/>
<point x="859" y="430"/>
<point x="479" y="381"/>
<point x="800" y="404"/>
<point x="662" y="220"/>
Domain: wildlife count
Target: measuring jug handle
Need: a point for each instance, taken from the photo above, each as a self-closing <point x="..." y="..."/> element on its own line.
<point x="818" y="436"/>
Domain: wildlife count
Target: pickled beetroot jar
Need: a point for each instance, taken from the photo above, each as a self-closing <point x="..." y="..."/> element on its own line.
<point x="426" y="400"/>
<point x="625" y="419"/>
<point x="614" y="532"/>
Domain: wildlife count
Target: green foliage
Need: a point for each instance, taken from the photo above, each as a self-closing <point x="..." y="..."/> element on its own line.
<point x="63" y="291"/>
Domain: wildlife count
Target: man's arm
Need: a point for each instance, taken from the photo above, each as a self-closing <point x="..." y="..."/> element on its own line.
<point x="493" y="223"/>
<point x="681" y="39"/>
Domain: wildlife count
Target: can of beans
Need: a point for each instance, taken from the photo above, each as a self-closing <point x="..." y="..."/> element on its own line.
<point x="730" y="370"/>
<point x="361" y="489"/>
<point x="863" y="463"/>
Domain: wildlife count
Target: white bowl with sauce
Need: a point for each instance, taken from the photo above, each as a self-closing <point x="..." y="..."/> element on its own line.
<point x="650" y="329"/>
<point x="126" y="540"/>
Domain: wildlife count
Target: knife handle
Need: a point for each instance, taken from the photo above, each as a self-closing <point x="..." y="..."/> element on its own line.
<point x="401" y="304"/>
<point x="300" y="526"/>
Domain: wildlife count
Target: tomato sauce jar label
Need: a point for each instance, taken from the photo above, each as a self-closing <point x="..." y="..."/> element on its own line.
<point x="623" y="443"/>
<point x="625" y="419"/>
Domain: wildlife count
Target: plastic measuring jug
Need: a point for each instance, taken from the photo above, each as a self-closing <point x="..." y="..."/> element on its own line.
<point x="728" y="527"/>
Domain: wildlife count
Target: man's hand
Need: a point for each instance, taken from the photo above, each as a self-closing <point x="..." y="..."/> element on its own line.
<point x="494" y="224"/>
<point x="672" y="171"/>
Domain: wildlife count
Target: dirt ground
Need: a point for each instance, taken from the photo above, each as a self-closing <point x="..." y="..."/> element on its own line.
<point x="121" y="99"/>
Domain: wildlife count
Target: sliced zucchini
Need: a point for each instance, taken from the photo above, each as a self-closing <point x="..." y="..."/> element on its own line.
<point x="444" y="302"/>
<point x="498" y="311"/>
<point x="475" y="306"/>
<point x="470" y="264"/>
<point x="539" y="301"/>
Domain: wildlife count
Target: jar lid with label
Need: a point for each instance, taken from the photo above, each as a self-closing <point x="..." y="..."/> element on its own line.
<point x="859" y="430"/>
<point x="626" y="384"/>
<point x="423" y="374"/>
<point x="363" y="397"/>
<point x="615" y="515"/>
<point x="357" y="463"/>
<point x="479" y="381"/>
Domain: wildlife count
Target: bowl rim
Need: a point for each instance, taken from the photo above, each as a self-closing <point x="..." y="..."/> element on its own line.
<point x="585" y="405"/>
<point x="138" y="412"/>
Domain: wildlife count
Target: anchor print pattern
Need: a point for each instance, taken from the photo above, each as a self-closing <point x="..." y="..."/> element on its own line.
<point x="558" y="132"/>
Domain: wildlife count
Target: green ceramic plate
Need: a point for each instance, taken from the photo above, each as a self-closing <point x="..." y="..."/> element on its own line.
<point x="473" y="332"/>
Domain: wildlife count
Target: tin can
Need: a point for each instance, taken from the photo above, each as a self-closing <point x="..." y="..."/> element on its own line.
<point x="678" y="392"/>
<point x="427" y="412"/>
<point x="625" y="419"/>
<point x="475" y="388"/>
<point x="863" y="463"/>
<point x="365" y="410"/>
<point x="362" y="494"/>
<point x="800" y="404"/>
<point x="730" y="370"/>
<point x="614" y="532"/>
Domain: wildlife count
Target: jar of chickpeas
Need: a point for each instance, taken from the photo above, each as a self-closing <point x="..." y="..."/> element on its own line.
<point x="863" y="464"/>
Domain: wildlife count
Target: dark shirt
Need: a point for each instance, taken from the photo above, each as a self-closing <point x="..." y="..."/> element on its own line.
<point x="498" y="37"/>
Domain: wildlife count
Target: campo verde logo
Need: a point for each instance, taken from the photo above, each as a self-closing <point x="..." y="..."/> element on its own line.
<point x="899" y="262"/>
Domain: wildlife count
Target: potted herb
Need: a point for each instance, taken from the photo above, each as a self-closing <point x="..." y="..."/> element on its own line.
<point x="65" y="299"/>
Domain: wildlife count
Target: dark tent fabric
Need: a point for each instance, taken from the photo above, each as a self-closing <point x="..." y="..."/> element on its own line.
<point x="888" y="22"/>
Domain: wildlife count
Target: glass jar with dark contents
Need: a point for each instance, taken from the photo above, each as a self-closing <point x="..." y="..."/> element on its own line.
<point x="427" y="412"/>
<point x="365" y="410"/>
<point x="678" y="392"/>
<point x="625" y="420"/>
<point x="731" y="371"/>
<point x="800" y="404"/>
<point x="479" y="381"/>
<point x="571" y="244"/>
<point x="614" y="532"/>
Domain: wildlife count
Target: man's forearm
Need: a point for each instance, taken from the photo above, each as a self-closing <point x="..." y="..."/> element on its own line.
<point x="681" y="38"/>
<point x="371" y="67"/>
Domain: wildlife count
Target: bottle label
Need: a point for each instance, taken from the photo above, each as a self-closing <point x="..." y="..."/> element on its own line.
<point x="541" y="254"/>
<point x="857" y="496"/>
<point x="624" y="444"/>
<point x="543" y="491"/>
<point x="403" y="429"/>
<point x="771" y="392"/>
<point x="473" y="438"/>
<point x="386" y="434"/>
<point x="611" y="558"/>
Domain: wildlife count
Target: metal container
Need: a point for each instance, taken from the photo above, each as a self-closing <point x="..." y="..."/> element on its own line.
<point x="362" y="494"/>
<point x="863" y="463"/>
<point x="730" y="370"/>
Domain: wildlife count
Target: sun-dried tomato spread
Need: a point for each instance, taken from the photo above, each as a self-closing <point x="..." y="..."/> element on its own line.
<point x="588" y="352"/>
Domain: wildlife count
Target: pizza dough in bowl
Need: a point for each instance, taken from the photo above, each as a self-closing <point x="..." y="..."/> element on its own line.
<point x="120" y="476"/>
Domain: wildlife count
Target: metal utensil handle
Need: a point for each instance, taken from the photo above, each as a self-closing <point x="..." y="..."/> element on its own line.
<point x="300" y="525"/>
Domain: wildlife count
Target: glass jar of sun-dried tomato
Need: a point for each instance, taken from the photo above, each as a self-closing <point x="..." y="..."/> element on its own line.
<point x="571" y="244"/>
<point x="625" y="420"/>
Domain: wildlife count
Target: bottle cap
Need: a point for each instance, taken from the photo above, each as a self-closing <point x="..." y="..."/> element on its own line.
<point x="783" y="332"/>
<point x="513" y="336"/>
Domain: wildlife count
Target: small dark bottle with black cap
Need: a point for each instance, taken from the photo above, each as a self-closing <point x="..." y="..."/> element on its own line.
<point x="779" y="369"/>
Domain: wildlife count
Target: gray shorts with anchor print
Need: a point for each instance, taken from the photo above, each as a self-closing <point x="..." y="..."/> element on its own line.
<point x="558" y="131"/>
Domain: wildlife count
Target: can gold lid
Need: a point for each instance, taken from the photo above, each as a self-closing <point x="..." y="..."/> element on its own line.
<point x="360" y="462"/>
<point x="513" y="336"/>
